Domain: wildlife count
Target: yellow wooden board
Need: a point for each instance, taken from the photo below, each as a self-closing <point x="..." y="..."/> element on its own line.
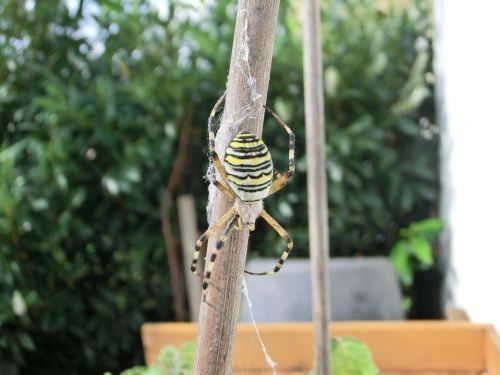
<point x="492" y="349"/>
<point x="431" y="346"/>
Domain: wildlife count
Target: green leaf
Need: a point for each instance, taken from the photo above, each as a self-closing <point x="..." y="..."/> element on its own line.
<point x="26" y="341"/>
<point x="188" y="355"/>
<point x="13" y="151"/>
<point x="428" y="227"/>
<point x="400" y="259"/>
<point x="351" y="357"/>
<point x="168" y="356"/>
<point x="154" y="369"/>
<point x="18" y="303"/>
<point x="407" y="303"/>
<point x="422" y="250"/>
<point x="408" y="127"/>
<point x="137" y="370"/>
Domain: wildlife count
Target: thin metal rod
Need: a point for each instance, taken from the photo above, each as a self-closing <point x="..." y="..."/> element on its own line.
<point x="316" y="182"/>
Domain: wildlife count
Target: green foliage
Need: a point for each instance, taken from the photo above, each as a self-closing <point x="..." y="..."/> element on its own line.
<point x="171" y="361"/>
<point x="349" y="356"/>
<point x="381" y="148"/>
<point x="382" y="170"/>
<point x="87" y="141"/>
<point x="414" y="250"/>
<point x="89" y="128"/>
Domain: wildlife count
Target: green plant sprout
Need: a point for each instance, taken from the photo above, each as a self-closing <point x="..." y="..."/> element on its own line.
<point x="414" y="251"/>
<point x="350" y="356"/>
<point x="171" y="361"/>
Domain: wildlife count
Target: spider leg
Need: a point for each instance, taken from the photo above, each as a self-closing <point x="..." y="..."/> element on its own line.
<point x="283" y="234"/>
<point x="213" y="154"/>
<point x="239" y="224"/>
<point x="205" y="236"/>
<point x="276" y="174"/>
<point x="281" y="180"/>
<point x="218" y="247"/>
<point x="227" y="191"/>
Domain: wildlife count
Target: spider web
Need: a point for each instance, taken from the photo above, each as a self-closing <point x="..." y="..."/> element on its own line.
<point x="269" y="360"/>
<point x="248" y="112"/>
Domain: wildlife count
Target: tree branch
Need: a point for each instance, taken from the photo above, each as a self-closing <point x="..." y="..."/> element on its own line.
<point x="176" y="279"/>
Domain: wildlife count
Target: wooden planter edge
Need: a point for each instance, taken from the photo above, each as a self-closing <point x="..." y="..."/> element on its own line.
<point x="396" y="346"/>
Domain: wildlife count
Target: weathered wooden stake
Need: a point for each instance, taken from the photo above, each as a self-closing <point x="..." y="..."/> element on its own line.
<point x="246" y="93"/>
<point x="316" y="181"/>
<point x="186" y="211"/>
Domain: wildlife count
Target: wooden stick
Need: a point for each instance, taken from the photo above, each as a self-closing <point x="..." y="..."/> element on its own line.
<point x="186" y="211"/>
<point x="246" y="93"/>
<point x="177" y="286"/>
<point x="316" y="182"/>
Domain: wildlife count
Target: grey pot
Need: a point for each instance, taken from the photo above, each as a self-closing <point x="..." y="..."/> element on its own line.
<point x="360" y="289"/>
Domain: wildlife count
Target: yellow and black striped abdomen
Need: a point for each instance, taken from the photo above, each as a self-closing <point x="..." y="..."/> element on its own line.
<point x="249" y="167"/>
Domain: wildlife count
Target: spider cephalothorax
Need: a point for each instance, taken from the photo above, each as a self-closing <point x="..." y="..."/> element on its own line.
<point x="248" y="175"/>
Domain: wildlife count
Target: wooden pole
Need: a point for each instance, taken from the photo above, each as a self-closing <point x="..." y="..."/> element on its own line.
<point x="246" y="93"/>
<point x="186" y="212"/>
<point x="316" y="181"/>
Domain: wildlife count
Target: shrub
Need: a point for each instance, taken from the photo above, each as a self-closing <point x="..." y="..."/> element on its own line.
<point x="87" y="141"/>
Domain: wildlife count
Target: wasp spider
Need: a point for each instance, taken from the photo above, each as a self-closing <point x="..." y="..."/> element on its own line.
<point x="248" y="175"/>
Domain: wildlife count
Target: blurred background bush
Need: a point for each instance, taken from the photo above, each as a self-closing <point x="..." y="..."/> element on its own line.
<point x="93" y="99"/>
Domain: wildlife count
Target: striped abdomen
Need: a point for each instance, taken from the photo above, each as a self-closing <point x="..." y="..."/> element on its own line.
<point x="249" y="167"/>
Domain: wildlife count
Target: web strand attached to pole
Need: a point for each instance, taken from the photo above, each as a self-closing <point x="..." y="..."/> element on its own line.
<point x="269" y="360"/>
